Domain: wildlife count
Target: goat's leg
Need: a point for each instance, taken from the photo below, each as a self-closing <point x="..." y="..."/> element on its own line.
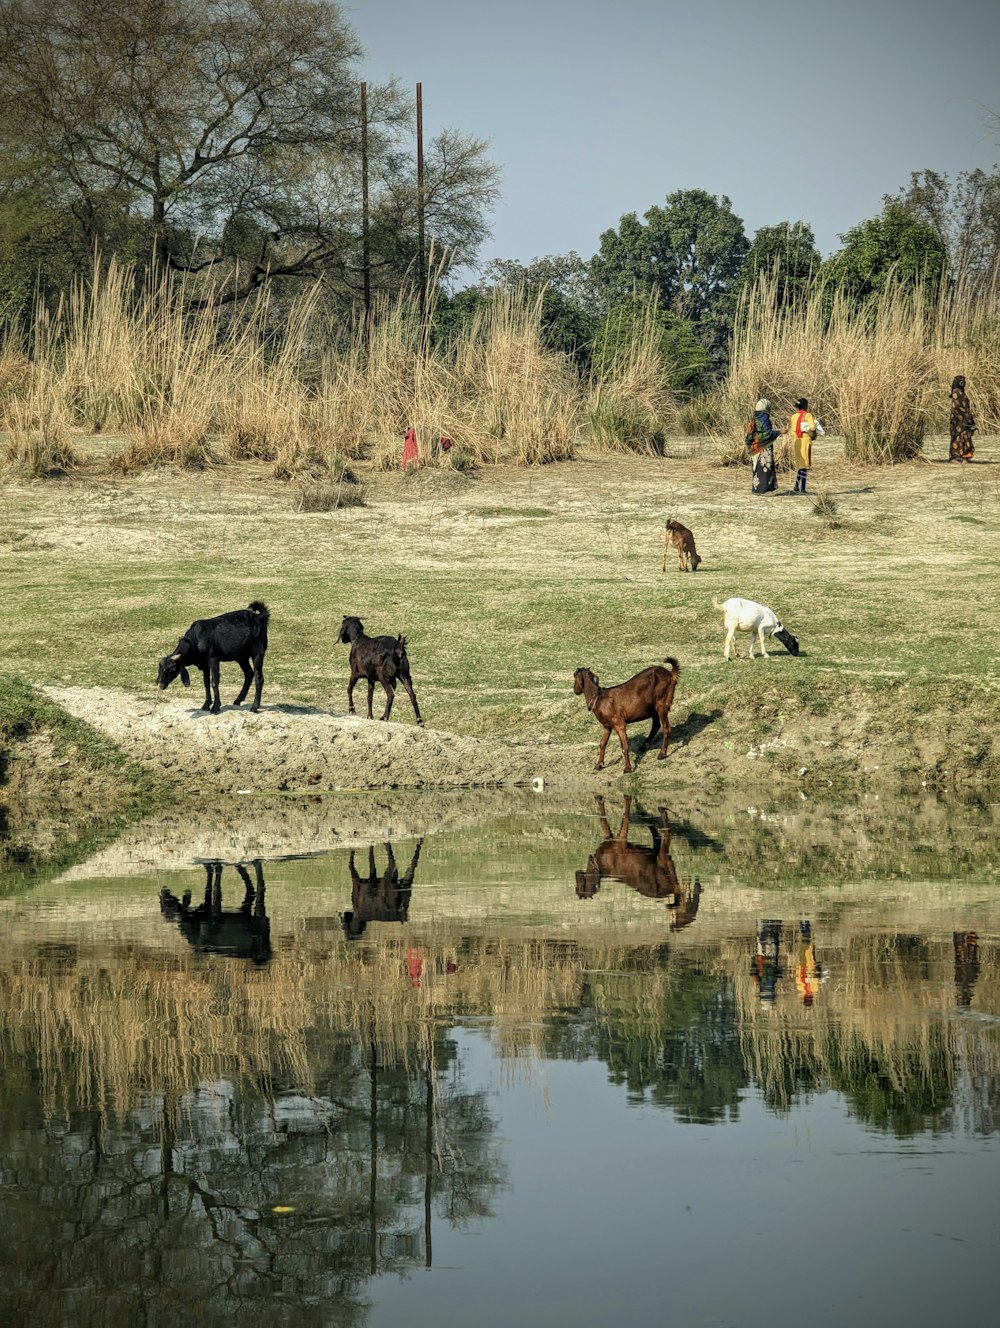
<point x="390" y="696"/>
<point x="258" y="872"/>
<point x="258" y="682"/>
<point x="371" y="694"/>
<point x="731" y="643"/>
<point x="603" y="814"/>
<point x="207" y="679"/>
<point x="623" y="739"/>
<point x="760" y="635"/>
<point x="213" y="665"/>
<point x="600" y="754"/>
<point x="407" y="682"/>
<point x="247" y="906"/>
<point x="355" y="679"/>
<point x="247" y="679"/>
<point x="654" y="730"/>
<point x="665" y="721"/>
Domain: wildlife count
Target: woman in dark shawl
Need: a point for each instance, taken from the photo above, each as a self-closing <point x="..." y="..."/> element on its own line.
<point x="963" y="426"/>
<point x="760" y="437"/>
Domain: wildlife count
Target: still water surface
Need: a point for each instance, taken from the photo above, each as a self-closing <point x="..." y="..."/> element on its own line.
<point x="541" y="1066"/>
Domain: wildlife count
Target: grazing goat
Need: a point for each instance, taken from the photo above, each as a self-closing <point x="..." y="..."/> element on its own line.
<point x="744" y="615"/>
<point x="650" y="871"/>
<point x="240" y="636"/>
<point x="647" y="694"/>
<point x="244" y="934"/>
<point x="377" y="658"/>
<point x="683" y="541"/>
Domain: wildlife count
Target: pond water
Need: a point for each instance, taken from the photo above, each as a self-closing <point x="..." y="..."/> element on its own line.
<point x="536" y="1064"/>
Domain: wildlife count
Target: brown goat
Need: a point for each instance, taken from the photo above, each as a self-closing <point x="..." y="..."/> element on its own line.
<point x="650" y="871"/>
<point x="648" y="694"/>
<point x="683" y="541"/>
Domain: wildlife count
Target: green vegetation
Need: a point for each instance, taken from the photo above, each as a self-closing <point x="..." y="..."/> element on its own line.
<point x="64" y="789"/>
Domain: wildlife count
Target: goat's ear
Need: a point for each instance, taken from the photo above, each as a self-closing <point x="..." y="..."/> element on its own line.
<point x="185" y="677"/>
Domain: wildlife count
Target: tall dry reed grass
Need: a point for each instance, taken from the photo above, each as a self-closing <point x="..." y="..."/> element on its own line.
<point x="193" y="386"/>
<point x="879" y="375"/>
<point x="630" y="404"/>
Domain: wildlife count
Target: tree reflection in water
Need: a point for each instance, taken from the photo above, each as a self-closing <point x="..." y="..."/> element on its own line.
<point x="185" y="1194"/>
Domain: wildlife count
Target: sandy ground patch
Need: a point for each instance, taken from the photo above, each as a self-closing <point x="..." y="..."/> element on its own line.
<point x="300" y="749"/>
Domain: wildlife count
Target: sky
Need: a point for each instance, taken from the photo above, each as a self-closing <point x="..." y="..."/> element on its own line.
<point x="796" y="111"/>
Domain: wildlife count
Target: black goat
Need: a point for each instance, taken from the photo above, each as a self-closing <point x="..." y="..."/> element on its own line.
<point x="377" y="658"/>
<point x="240" y="636"/>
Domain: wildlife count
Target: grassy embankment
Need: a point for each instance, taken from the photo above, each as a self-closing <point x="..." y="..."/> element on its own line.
<point x="62" y="786"/>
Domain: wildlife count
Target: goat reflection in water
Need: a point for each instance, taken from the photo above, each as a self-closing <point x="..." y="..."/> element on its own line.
<point x="244" y="933"/>
<point x="649" y="870"/>
<point x="379" y="897"/>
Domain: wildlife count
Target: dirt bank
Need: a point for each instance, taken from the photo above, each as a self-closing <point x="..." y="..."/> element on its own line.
<point x="297" y="748"/>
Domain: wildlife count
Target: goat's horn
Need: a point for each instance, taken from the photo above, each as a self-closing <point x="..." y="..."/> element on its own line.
<point x="175" y="657"/>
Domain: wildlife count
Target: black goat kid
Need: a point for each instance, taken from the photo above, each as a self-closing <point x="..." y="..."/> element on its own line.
<point x="377" y="659"/>
<point x="240" y="636"/>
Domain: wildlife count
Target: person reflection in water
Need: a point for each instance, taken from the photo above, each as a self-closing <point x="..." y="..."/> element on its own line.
<point x="966" y="965"/>
<point x="379" y="898"/>
<point x="766" y="968"/>
<point x="808" y="973"/>
<point x="648" y="870"/>
<point x="244" y="933"/>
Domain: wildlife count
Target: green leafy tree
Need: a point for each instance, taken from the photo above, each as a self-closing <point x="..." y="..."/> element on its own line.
<point x="686" y="361"/>
<point x="689" y="252"/>
<point x="893" y="246"/>
<point x="788" y="254"/>
<point x="231" y="129"/>
<point x="965" y="215"/>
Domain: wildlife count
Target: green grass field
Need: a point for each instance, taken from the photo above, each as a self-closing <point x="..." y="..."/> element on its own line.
<point x="504" y="582"/>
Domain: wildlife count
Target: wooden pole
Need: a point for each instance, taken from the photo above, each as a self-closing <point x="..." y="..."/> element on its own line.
<point x="421" y="255"/>
<point x="365" y="237"/>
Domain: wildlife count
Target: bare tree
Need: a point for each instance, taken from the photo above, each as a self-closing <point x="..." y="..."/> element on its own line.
<point x="232" y="128"/>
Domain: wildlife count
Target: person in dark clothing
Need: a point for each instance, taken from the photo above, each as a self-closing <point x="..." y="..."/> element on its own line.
<point x="963" y="426"/>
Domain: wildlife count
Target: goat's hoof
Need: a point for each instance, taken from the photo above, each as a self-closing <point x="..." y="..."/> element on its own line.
<point x="255" y="710"/>
<point x="215" y="710"/>
<point x="420" y="723"/>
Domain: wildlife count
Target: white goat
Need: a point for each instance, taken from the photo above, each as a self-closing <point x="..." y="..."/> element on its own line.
<point x="745" y="615"/>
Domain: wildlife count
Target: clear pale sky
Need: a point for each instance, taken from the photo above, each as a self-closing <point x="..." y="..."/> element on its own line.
<point x="795" y="110"/>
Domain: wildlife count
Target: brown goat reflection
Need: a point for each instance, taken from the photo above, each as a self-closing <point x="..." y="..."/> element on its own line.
<point x="379" y="898"/>
<point x="649" y="870"/>
<point x="244" y="933"/>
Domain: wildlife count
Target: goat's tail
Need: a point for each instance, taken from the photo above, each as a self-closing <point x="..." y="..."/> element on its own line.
<point x="399" y="649"/>
<point x="259" y="607"/>
<point x="675" y="668"/>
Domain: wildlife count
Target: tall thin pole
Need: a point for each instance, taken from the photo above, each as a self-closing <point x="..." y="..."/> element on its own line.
<point x="365" y="237"/>
<point x="421" y="255"/>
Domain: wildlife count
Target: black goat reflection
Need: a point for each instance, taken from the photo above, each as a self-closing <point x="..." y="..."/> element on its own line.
<point x="379" y="898"/>
<point x="648" y="870"/>
<point x="244" y="933"/>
